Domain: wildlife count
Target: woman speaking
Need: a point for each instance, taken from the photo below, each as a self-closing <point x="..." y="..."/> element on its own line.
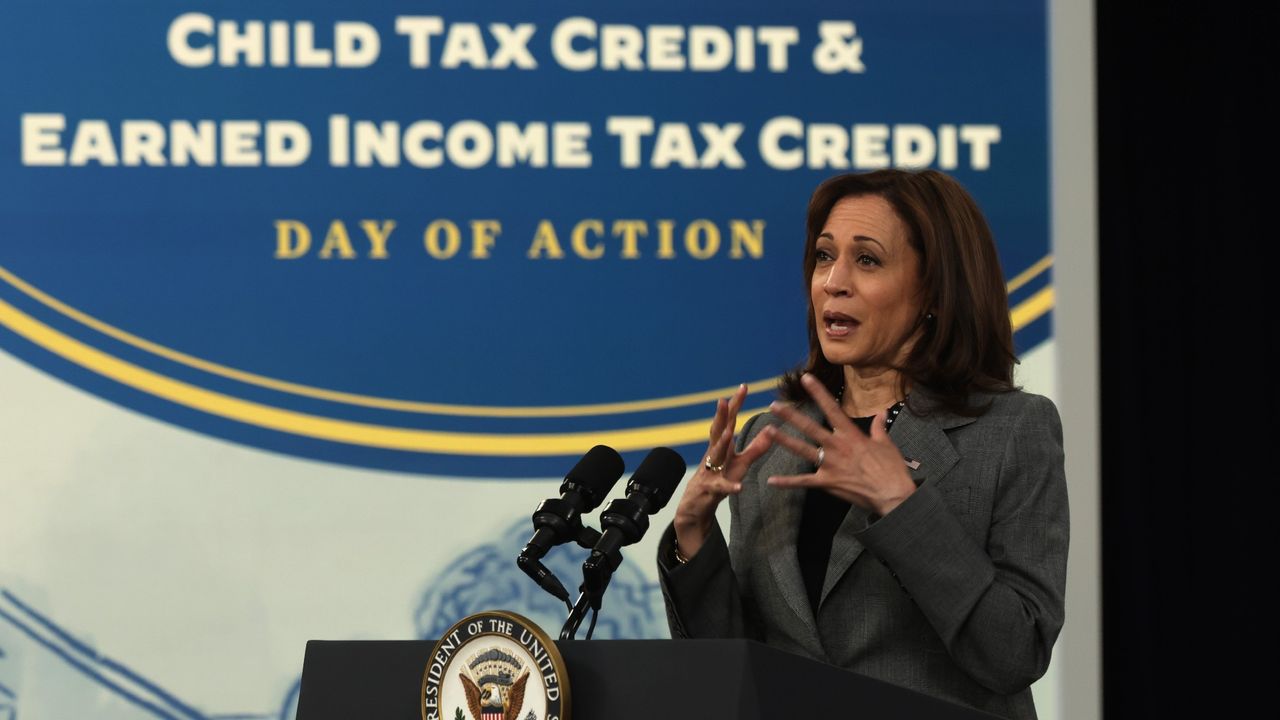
<point x="904" y="513"/>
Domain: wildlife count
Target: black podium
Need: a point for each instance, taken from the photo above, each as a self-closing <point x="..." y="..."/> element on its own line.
<point x="625" y="680"/>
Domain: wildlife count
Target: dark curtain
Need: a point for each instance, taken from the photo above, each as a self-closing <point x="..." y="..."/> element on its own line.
<point x="1186" y="226"/>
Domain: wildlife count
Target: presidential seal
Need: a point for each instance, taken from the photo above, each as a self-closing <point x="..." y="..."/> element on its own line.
<point x="495" y="666"/>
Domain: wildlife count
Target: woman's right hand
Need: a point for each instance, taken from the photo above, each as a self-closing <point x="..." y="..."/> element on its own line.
<point x="697" y="509"/>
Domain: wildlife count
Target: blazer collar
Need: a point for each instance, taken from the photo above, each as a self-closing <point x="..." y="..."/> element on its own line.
<point x="920" y="434"/>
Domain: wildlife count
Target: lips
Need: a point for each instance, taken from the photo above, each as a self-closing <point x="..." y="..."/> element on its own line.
<point x="838" y="324"/>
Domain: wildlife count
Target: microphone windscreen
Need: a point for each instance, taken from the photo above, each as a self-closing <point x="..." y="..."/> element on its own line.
<point x="659" y="473"/>
<point x="595" y="474"/>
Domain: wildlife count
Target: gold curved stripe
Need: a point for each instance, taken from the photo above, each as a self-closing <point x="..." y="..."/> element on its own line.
<point x="490" y="411"/>
<point x="1026" y="276"/>
<point x="428" y="407"/>
<point x="1030" y="310"/>
<point x="447" y="443"/>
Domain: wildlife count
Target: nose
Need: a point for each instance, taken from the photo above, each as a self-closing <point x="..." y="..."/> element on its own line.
<point x="837" y="283"/>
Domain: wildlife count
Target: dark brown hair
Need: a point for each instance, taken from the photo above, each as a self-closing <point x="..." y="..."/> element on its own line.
<point x="967" y="346"/>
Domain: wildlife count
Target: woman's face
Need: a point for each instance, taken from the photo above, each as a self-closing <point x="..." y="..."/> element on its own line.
<point x="865" y="284"/>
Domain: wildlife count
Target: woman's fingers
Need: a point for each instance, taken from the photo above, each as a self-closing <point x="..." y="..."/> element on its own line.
<point x="719" y="485"/>
<point x="720" y="449"/>
<point x="830" y="408"/>
<point x="878" y="429"/>
<point x="735" y="403"/>
<point x="802" y="449"/>
<point x="752" y="452"/>
<point x="727" y="412"/>
<point x="719" y="456"/>
<point x="718" y="422"/>
<point x="801" y="422"/>
<point x="806" y="480"/>
<point x="724" y="424"/>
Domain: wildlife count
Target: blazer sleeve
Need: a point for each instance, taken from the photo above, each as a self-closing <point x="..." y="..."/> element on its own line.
<point x="998" y="608"/>
<point x="702" y="596"/>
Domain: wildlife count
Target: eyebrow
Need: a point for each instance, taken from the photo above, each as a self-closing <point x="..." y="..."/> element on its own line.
<point x="859" y="238"/>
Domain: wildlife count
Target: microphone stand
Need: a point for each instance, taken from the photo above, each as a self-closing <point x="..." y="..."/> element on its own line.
<point x="596" y="573"/>
<point x="576" y="615"/>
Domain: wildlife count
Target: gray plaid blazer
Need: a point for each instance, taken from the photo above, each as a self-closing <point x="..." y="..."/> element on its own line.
<point x="957" y="593"/>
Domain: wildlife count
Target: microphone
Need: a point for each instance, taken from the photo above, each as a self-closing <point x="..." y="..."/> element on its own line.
<point x="625" y="521"/>
<point x="559" y="520"/>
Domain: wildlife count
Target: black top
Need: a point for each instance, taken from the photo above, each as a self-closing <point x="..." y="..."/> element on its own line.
<point x="823" y="514"/>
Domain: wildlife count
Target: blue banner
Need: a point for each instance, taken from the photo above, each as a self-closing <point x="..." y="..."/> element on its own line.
<point x="441" y="237"/>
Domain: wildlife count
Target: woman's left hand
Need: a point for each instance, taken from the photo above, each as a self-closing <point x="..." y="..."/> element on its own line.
<point x="869" y="472"/>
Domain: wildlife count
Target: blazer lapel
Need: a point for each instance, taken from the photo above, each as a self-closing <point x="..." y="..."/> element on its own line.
<point x="924" y="444"/>
<point x="782" y="510"/>
<point x="845" y="548"/>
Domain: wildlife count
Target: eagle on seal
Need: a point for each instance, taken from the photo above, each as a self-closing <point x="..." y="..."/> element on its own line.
<point x="488" y="702"/>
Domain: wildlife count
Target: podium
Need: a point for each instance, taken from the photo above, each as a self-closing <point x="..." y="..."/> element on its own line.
<point x="625" y="680"/>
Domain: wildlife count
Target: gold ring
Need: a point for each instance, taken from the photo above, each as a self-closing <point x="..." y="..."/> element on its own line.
<point x="822" y="455"/>
<point x="713" y="468"/>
